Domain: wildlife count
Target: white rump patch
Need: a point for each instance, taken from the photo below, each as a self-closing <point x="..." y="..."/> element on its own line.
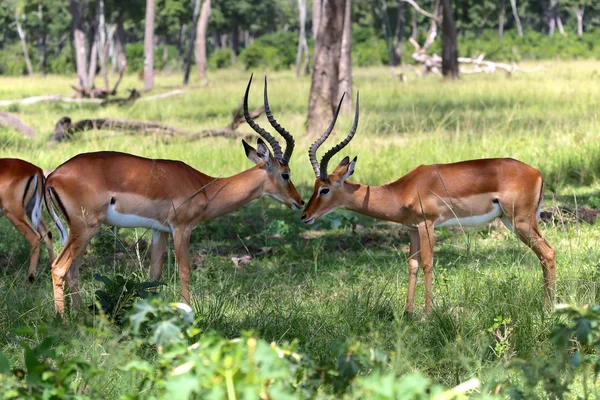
<point x="474" y="220"/>
<point x="36" y="213"/>
<point x="115" y="218"/>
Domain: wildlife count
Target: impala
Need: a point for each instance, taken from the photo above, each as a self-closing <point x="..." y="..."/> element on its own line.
<point x="464" y="193"/>
<point x="21" y="201"/>
<point x="167" y="196"/>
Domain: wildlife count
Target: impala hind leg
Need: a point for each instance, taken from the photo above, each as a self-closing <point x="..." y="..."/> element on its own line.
<point x="157" y="254"/>
<point x="73" y="250"/>
<point x="47" y="236"/>
<point x="426" y="239"/>
<point x="32" y="236"/>
<point x="529" y="234"/>
<point x="413" y="269"/>
<point x="181" y="242"/>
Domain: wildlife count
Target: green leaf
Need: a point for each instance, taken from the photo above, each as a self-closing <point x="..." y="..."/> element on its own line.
<point x="140" y="366"/>
<point x="4" y="365"/>
<point x="165" y="332"/>
<point x="181" y="387"/>
<point x="140" y="315"/>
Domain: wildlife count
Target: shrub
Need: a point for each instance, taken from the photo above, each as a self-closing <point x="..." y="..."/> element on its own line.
<point x="274" y="51"/>
<point x="12" y="60"/>
<point x="220" y="59"/>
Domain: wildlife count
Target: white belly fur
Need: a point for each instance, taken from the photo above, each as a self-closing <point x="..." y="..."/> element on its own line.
<point x="473" y="220"/>
<point x="115" y="218"/>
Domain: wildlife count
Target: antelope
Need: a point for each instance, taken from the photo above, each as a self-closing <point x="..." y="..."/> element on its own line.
<point x="466" y="193"/>
<point x="21" y="201"/>
<point x="166" y="196"/>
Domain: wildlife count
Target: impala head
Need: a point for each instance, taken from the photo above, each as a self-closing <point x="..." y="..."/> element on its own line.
<point x="328" y="192"/>
<point x="278" y="183"/>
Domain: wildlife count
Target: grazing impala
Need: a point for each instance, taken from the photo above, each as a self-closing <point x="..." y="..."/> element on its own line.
<point x="167" y="196"/>
<point x="463" y="193"/>
<point x="21" y="201"/>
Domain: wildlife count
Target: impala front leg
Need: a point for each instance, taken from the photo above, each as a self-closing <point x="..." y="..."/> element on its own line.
<point x="181" y="242"/>
<point x="426" y="240"/>
<point x="413" y="269"/>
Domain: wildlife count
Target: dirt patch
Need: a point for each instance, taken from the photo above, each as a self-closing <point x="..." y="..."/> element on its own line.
<point x="564" y="216"/>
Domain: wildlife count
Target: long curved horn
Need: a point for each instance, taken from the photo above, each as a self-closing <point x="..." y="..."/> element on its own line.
<point x="335" y="149"/>
<point x="289" y="139"/>
<point x="312" y="150"/>
<point x="266" y="135"/>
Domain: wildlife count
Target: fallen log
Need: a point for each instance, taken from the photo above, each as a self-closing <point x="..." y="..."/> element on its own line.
<point x="12" y="121"/>
<point x="49" y="98"/>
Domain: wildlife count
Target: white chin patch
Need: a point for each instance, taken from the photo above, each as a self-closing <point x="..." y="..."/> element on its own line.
<point x="309" y="221"/>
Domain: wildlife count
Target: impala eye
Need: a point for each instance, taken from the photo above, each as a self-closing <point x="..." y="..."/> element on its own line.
<point x="285" y="176"/>
<point x="323" y="191"/>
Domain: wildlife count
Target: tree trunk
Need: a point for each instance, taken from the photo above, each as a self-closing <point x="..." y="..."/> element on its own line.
<point x="120" y="43"/>
<point x="552" y="21"/>
<point x="561" y="29"/>
<point x="102" y="47"/>
<point x="345" y="71"/>
<point x="415" y="31"/>
<point x="201" y="42"/>
<point x="43" y="45"/>
<point x="513" y="5"/>
<point x="449" y="46"/>
<point x="302" y="45"/>
<point x="165" y="58"/>
<point x="501" y="19"/>
<point x="235" y="38"/>
<point x="79" y="41"/>
<point x="580" y="20"/>
<point x="323" y="89"/>
<point x="188" y="57"/>
<point x="23" y="43"/>
<point x="399" y="33"/>
<point x="93" y="46"/>
<point x="149" y="46"/>
<point x="316" y="17"/>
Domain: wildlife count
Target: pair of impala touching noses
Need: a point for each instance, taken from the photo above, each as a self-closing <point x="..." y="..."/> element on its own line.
<point x="172" y="198"/>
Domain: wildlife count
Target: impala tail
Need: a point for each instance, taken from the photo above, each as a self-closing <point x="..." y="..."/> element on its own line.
<point x="33" y="207"/>
<point x="50" y="196"/>
<point x="541" y="200"/>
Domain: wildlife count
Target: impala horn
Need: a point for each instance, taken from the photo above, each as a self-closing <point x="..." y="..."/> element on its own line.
<point x="289" y="139"/>
<point x="266" y="135"/>
<point x="321" y="171"/>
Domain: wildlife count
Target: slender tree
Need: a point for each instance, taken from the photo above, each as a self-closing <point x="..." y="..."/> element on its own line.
<point x="79" y="41"/>
<point x="149" y="46"/>
<point x="449" y="45"/>
<point x="188" y="57"/>
<point x="345" y="70"/>
<point x="324" y="83"/>
<point x="23" y="39"/>
<point x="513" y="5"/>
<point x="501" y="16"/>
<point x="302" y="44"/>
<point x="201" y="42"/>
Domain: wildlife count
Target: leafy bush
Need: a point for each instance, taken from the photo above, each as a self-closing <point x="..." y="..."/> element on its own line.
<point x="12" y="60"/>
<point x="367" y="48"/>
<point x="62" y="64"/>
<point x="220" y="59"/>
<point x="274" y="51"/>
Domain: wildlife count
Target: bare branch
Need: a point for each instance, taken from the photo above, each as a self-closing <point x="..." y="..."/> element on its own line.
<point x="420" y="10"/>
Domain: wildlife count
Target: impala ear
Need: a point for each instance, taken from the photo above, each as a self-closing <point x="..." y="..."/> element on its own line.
<point x="349" y="167"/>
<point x="261" y="153"/>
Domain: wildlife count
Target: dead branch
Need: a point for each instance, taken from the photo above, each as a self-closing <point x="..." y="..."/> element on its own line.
<point x="65" y="129"/>
<point x="49" y="98"/>
<point x="133" y="96"/>
<point x="81" y="91"/>
<point x="420" y="10"/>
<point x="163" y="95"/>
<point x="12" y="121"/>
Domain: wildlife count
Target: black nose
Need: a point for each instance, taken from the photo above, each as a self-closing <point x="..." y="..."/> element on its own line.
<point x="304" y="216"/>
<point x="302" y="202"/>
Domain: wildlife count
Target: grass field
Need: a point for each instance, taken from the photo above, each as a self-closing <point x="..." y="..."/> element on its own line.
<point x="346" y="276"/>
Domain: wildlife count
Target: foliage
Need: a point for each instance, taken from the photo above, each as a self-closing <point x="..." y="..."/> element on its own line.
<point x="119" y="294"/>
<point x="274" y="51"/>
<point x="220" y="58"/>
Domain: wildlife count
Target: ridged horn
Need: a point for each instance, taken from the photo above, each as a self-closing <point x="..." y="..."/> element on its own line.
<point x="312" y="151"/>
<point x="266" y="135"/>
<point x="289" y="139"/>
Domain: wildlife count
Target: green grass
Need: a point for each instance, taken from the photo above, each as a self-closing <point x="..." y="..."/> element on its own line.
<point x="318" y="284"/>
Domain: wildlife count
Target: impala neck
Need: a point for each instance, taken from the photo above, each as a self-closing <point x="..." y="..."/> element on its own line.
<point x="225" y="195"/>
<point x="374" y="201"/>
